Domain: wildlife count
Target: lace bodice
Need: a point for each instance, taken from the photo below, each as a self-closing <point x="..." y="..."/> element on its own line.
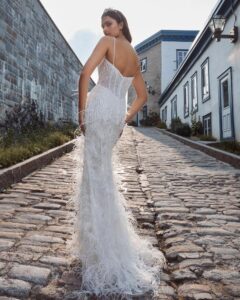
<point x="111" y="78"/>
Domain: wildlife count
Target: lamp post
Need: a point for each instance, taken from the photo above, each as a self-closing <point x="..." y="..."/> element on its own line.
<point x="217" y="25"/>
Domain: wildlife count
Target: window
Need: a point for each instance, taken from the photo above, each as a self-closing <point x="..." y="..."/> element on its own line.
<point x="207" y="124"/>
<point x="174" y="107"/>
<point x="144" y="112"/>
<point x="164" y="114"/>
<point x="226" y="105"/>
<point x="180" y="55"/>
<point x="205" y="80"/>
<point x="143" y="64"/>
<point x="186" y="99"/>
<point x="225" y="93"/>
<point x="194" y="92"/>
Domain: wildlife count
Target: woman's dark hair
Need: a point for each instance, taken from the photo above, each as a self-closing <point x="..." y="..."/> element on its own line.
<point x="119" y="17"/>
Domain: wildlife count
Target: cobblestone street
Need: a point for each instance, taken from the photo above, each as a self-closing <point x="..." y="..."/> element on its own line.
<point x="185" y="201"/>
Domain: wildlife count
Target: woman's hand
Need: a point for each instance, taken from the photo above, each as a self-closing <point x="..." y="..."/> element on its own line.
<point x="120" y="134"/>
<point x="83" y="128"/>
<point x="82" y="125"/>
<point x="127" y="118"/>
<point x="125" y="123"/>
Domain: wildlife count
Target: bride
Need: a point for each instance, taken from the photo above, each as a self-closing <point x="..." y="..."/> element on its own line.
<point x="115" y="260"/>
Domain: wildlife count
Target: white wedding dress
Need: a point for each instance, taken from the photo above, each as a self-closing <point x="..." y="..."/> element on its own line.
<point x="115" y="260"/>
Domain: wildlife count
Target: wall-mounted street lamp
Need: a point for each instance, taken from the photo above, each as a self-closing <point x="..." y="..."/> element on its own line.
<point x="150" y="89"/>
<point x="217" y="25"/>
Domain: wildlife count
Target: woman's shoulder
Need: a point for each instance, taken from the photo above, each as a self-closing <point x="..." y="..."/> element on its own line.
<point x="105" y="39"/>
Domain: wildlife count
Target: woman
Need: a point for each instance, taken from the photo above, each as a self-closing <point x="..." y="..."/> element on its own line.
<point x="115" y="261"/>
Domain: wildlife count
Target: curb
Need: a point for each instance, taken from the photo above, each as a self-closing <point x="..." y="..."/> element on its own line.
<point x="15" y="173"/>
<point x="232" y="159"/>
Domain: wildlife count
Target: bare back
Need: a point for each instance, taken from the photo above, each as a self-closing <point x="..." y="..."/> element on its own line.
<point x="125" y="60"/>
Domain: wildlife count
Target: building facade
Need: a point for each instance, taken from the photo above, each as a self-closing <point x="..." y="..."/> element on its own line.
<point x="36" y="62"/>
<point x="206" y="86"/>
<point x="160" y="56"/>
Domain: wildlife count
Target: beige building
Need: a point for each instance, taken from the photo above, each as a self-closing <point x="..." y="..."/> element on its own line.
<point x="160" y="56"/>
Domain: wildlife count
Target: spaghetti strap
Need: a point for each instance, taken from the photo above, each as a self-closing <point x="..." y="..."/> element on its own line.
<point x="113" y="50"/>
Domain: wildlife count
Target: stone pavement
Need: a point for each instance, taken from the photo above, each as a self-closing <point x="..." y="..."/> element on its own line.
<point x="197" y="204"/>
<point x="186" y="199"/>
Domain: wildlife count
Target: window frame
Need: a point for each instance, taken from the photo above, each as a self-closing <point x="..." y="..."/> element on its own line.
<point x="206" y="117"/>
<point x="141" y="60"/>
<point x="195" y="75"/>
<point x="174" y="99"/>
<point x="186" y="85"/>
<point x="221" y="78"/>
<point x="164" y="114"/>
<point x="203" y="65"/>
<point x="177" y="60"/>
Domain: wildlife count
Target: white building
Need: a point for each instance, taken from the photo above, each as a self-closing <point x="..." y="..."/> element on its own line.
<point x="207" y="84"/>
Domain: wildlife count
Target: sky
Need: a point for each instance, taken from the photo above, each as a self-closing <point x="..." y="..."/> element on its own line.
<point x="80" y="21"/>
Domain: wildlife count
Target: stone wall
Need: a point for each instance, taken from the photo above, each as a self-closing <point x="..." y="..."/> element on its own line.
<point x="36" y="62"/>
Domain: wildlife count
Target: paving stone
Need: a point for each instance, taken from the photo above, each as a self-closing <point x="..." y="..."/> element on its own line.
<point x="179" y="275"/>
<point x="173" y="209"/>
<point x="8" y="298"/>
<point x="188" y="247"/>
<point x="16" y="256"/>
<point x="202" y="296"/>
<point x="214" y="231"/>
<point x="233" y="290"/>
<point x="187" y="289"/>
<point x="11" y="235"/>
<point x="36" y="217"/>
<point x="47" y="205"/>
<point x="17" y="225"/>
<point x="225" y="251"/>
<point x="204" y="262"/>
<point x="44" y="238"/>
<point x="2" y="265"/>
<point x="232" y="212"/>
<point x="219" y="274"/>
<point x="14" y="287"/>
<point x="209" y="240"/>
<point x="6" y="244"/>
<point x="30" y="273"/>
<point x="54" y="260"/>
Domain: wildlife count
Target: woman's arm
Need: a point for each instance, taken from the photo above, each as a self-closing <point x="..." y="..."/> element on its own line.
<point x="141" y="91"/>
<point x="93" y="61"/>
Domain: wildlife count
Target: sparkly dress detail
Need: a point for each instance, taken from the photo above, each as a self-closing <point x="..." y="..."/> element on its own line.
<point x="115" y="260"/>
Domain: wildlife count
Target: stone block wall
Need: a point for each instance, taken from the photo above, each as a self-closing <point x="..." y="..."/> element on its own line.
<point x="36" y="62"/>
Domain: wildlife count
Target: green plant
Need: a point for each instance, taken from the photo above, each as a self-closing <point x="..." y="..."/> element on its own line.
<point x="24" y="133"/>
<point x="151" y="120"/>
<point x="35" y="142"/>
<point x="22" y="119"/>
<point x="197" y="127"/>
<point x="204" y="137"/>
<point x="175" y="123"/>
<point x="132" y="123"/>
<point x="161" y="124"/>
<point x="230" y="146"/>
<point x="184" y="130"/>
